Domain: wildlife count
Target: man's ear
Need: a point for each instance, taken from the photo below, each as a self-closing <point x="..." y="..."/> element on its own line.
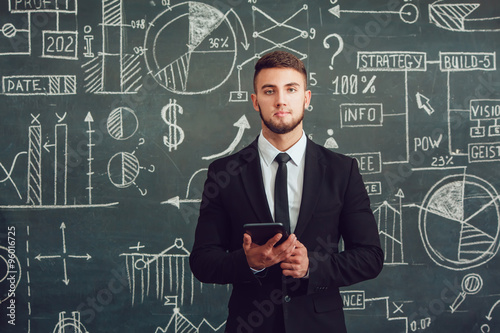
<point x="307" y="98"/>
<point x="254" y="102"/>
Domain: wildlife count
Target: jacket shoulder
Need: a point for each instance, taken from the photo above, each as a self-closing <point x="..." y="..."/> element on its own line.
<point x="246" y="155"/>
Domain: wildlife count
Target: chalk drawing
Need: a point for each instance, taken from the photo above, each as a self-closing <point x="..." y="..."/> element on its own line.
<point x="471" y="284"/>
<point x="164" y="272"/>
<point x="242" y="124"/>
<point x="408" y="13"/>
<point x="175" y="134"/>
<point x="11" y="269"/>
<point x="100" y="71"/>
<point x="271" y="31"/>
<point x="176" y="201"/>
<point x="179" y="323"/>
<point x="64" y="255"/>
<point x="466" y="207"/>
<point x="460" y="17"/>
<point x="210" y="39"/>
<point x="69" y="324"/>
<point x="390" y="226"/>
<point x="122" y="123"/>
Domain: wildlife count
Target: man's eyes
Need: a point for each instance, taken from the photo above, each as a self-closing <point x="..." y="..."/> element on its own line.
<point x="271" y="91"/>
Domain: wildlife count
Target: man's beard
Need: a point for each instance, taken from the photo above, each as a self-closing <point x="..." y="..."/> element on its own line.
<point x="281" y="128"/>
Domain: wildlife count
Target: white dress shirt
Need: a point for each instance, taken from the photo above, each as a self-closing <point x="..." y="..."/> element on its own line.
<point x="295" y="175"/>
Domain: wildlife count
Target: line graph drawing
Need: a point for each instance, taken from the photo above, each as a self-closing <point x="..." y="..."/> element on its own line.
<point x="208" y="37"/>
<point x="164" y="272"/>
<point x="468" y="208"/>
<point x="179" y="323"/>
<point x="268" y="30"/>
<point x="8" y="173"/>
<point x="64" y="256"/>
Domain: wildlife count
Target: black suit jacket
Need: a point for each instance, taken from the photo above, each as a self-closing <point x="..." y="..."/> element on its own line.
<point x="334" y="204"/>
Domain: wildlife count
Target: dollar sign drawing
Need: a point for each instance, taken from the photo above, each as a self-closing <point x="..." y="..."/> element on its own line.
<point x="175" y="133"/>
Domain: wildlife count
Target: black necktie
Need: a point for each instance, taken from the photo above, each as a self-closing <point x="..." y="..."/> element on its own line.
<point x="281" y="214"/>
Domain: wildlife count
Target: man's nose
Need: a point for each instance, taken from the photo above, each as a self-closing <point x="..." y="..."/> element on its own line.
<point x="280" y="99"/>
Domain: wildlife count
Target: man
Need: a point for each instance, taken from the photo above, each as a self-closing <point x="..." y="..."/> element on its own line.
<point x="294" y="286"/>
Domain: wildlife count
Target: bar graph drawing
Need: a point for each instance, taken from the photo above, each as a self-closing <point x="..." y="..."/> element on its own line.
<point x="390" y="225"/>
<point x="37" y="176"/>
<point x="100" y="70"/>
<point x="160" y="274"/>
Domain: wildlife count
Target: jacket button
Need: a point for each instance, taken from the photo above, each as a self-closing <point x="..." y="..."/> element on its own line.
<point x="287" y="298"/>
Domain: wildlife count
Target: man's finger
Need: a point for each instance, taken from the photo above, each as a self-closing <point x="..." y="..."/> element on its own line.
<point x="273" y="240"/>
<point x="247" y="241"/>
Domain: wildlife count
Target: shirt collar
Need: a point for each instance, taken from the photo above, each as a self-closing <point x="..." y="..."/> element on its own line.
<point x="269" y="152"/>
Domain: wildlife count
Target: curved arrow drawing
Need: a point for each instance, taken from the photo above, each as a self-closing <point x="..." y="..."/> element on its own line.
<point x="176" y="201"/>
<point x="246" y="45"/>
<point x="242" y="124"/>
<point x="489" y="317"/>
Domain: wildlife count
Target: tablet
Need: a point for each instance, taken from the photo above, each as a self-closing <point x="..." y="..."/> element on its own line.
<point x="262" y="232"/>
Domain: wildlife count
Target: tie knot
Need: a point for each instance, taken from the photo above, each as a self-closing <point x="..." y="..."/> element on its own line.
<point x="282" y="158"/>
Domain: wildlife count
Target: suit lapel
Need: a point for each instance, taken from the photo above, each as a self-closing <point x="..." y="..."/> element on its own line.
<point x="251" y="176"/>
<point x="314" y="172"/>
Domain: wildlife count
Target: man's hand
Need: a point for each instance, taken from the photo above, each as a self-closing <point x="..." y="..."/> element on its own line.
<point x="297" y="264"/>
<point x="263" y="256"/>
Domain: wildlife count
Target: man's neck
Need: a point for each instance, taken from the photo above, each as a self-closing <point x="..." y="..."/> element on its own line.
<point x="282" y="142"/>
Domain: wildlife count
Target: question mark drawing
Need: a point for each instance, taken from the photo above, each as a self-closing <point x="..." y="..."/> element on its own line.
<point x="327" y="46"/>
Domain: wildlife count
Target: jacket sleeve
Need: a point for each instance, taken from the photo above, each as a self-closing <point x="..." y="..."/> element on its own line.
<point x="362" y="258"/>
<point x="212" y="259"/>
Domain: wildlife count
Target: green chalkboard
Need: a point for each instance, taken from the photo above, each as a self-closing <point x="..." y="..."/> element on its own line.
<point x="112" y="111"/>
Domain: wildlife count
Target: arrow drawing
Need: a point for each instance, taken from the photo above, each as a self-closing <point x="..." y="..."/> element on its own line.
<point x="176" y="201"/>
<point x="423" y="103"/>
<point x="64" y="256"/>
<point x="242" y="124"/>
<point x="408" y="13"/>
<point x="245" y="45"/>
<point x="90" y="120"/>
<point x="489" y="316"/>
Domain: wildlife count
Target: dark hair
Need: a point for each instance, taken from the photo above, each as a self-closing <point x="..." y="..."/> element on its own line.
<point x="279" y="59"/>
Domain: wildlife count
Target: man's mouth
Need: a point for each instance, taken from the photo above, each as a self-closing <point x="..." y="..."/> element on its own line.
<point x="281" y="113"/>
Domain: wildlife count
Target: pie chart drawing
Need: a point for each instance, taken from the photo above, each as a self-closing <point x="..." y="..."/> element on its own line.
<point x="190" y="48"/>
<point x="459" y="222"/>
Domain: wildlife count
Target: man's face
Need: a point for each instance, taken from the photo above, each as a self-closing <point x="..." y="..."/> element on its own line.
<point x="281" y="99"/>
